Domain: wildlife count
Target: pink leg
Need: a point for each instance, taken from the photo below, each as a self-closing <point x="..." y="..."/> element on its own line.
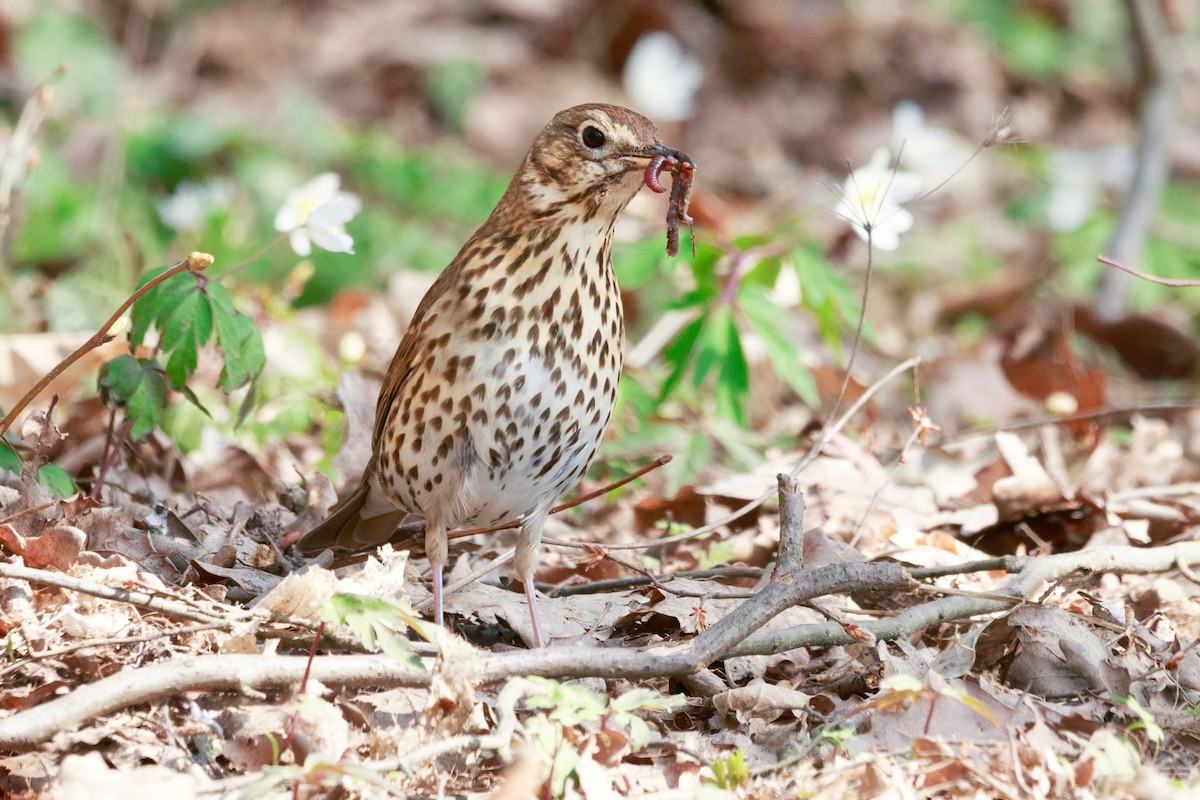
<point x="437" y="593"/>
<point x="533" y="615"/>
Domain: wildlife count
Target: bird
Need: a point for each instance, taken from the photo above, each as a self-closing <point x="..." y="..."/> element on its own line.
<point x="504" y="382"/>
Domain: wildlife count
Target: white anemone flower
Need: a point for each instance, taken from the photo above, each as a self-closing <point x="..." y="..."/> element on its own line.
<point x="1077" y="182"/>
<point x="872" y="201"/>
<point x="932" y="152"/>
<point x="661" y="78"/>
<point x="191" y="205"/>
<point x="316" y="214"/>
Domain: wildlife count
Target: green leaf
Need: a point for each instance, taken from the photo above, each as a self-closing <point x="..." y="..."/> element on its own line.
<point x="188" y="308"/>
<point x="678" y="354"/>
<point x="568" y="704"/>
<point x="184" y="331"/>
<point x="239" y="340"/>
<point x="729" y="773"/>
<point x="56" y="480"/>
<point x="713" y="344"/>
<point x="242" y="346"/>
<point x="136" y="385"/>
<point x="765" y="318"/>
<point x="157" y="304"/>
<point x="823" y="292"/>
<point x="636" y="264"/>
<point x="378" y="623"/>
<point x="720" y="349"/>
<point x="9" y="459"/>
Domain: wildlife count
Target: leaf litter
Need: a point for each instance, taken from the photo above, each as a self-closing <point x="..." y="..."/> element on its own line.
<point x="1086" y="689"/>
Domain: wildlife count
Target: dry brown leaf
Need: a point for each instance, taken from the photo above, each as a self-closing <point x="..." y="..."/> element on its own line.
<point x="1061" y="656"/>
<point x="301" y="594"/>
<point x="759" y="699"/>
<point x="53" y="548"/>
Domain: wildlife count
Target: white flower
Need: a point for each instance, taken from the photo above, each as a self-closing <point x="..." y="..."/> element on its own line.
<point x="1077" y="180"/>
<point x="317" y="213"/>
<point x="192" y="204"/>
<point x="931" y="152"/>
<point x="660" y="78"/>
<point x="872" y="201"/>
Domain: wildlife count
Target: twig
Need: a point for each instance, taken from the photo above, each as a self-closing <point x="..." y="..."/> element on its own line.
<point x="1124" y="411"/>
<point x="1179" y="283"/>
<point x="1034" y="572"/>
<point x="111" y="642"/>
<point x="636" y="581"/>
<point x="196" y="262"/>
<point x="1159" y="85"/>
<point x="32" y="115"/>
<point x="733" y="635"/>
<point x="27" y="511"/>
<point x="1003" y="563"/>
<point x="241" y="672"/>
<point x="221" y="617"/>
<point x="791" y="528"/>
<point x="661" y="461"/>
<point x="827" y="434"/>
<point x="141" y="599"/>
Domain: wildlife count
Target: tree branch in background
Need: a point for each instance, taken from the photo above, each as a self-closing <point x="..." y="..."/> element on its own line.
<point x="1158" y="85"/>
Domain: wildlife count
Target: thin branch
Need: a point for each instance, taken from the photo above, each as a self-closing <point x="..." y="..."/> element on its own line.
<point x="1035" y="572"/>
<point x="1180" y="283"/>
<point x="637" y="581"/>
<point x="791" y="527"/>
<point x="1104" y="413"/>
<point x="196" y="262"/>
<point x="140" y="599"/>
<point x="733" y="635"/>
<point x="661" y="461"/>
<point x="1159" y="95"/>
<point x="110" y="642"/>
<point x="241" y="672"/>
<point x="32" y="115"/>
<point x="827" y="434"/>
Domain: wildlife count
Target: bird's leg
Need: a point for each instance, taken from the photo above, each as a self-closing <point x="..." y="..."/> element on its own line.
<point x="438" y="614"/>
<point x="436" y="549"/>
<point x="531" y="598"/>
<point x="525" y="562"/>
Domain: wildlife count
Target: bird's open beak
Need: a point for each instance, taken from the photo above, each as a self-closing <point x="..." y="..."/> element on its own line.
<point x="661" y="150"/>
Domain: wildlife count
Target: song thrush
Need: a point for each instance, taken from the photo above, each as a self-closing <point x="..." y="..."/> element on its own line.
<point x="504" y="383"/>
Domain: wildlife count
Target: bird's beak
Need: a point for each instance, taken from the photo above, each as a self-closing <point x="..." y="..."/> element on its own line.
<point x="650" y="153"/>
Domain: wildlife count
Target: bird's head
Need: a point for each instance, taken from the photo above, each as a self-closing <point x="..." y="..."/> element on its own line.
<point x="590" y="161"/>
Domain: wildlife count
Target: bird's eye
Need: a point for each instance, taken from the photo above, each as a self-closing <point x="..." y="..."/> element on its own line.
<point x="592" y="137"/>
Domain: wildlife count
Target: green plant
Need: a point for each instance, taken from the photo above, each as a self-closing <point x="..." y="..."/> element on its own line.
<point x="189" y="311"/>
<point x="730" y="772"/>
<point x="379" y="623"/>
<point x="731" y="295"/>
<point x="568" y="708"/>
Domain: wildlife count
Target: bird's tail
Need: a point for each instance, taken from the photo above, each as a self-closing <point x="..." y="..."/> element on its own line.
<point x="360" y="522"/>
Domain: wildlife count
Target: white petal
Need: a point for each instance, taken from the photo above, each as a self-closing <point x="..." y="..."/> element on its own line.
<point x="286" y="219"/>
<point x="302" y="201"/>
<point x="333" y="239"/>
<point x="321" y="188"/>
<point x="342" y="208"/>
<point x="907" y="122"/>
<point x="298" y="238"/>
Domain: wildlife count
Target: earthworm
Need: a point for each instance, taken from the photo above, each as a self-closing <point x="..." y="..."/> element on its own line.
<point x="682" y="172"/>
<point x="652" y="172"/>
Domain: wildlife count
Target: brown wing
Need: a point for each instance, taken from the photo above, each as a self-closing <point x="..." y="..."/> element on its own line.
<point x="364" y="520"/>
